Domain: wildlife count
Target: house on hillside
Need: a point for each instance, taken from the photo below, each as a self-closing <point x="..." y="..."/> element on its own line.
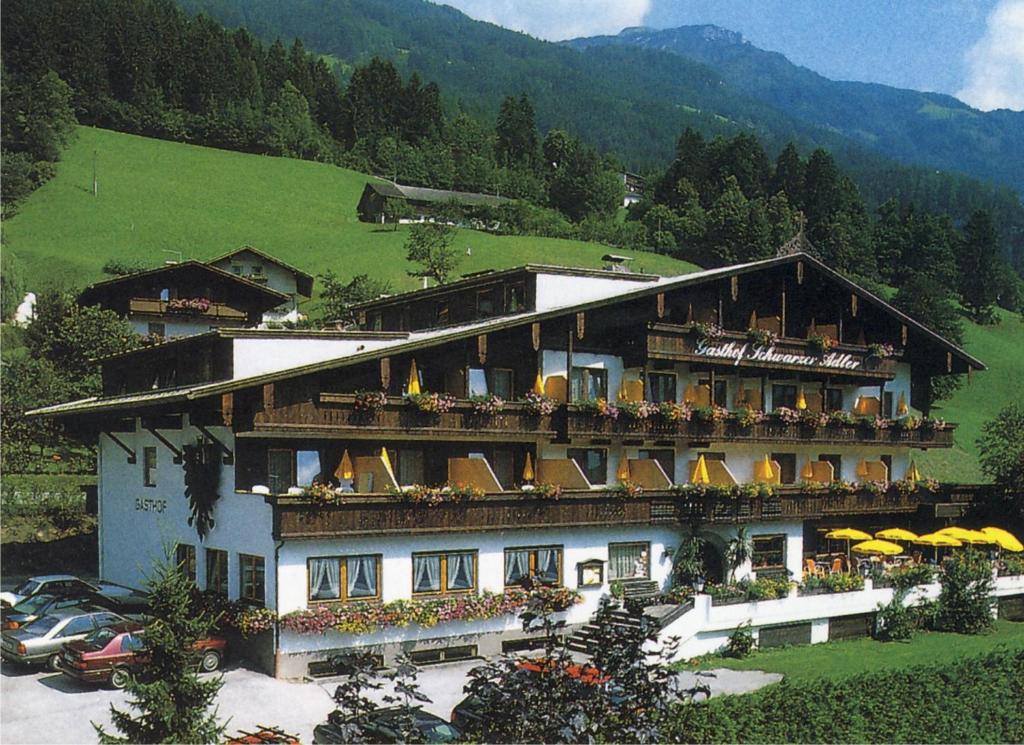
<point x="540" y="429"/>
<point x="262" y="268"/>
<point x="418" y="203"/>
<point x="185" y="298"/>
<point x="634" y="185"/>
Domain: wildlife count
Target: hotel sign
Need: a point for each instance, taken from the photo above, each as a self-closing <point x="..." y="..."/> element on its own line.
<point x="744" y="352"/>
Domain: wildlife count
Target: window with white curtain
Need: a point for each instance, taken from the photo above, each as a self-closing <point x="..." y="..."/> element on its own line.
<point x="344" y="577"/>
<point x="449" y="571"/>
<point x="543" y="564"/>
<point x="628" y="560"/>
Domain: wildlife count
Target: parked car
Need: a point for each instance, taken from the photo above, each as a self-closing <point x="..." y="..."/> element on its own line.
<point x="109" y="655"/>
<point x="51" y="584"/>
<point x="471" y="709"/>
<point x="41" y="641"/>
<point x="381" y="726"/>
<point x="33" y="607"/>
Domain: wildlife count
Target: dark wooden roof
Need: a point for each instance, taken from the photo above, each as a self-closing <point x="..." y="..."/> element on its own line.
<point x="433" y="196"/>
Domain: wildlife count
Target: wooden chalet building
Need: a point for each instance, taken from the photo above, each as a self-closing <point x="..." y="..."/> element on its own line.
<point x="263" y="269"/>
<point x="788" y="392"/>
<point x="420" y="203"/>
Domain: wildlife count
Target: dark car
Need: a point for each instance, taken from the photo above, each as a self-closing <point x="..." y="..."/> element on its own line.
<point x="381" y="725"/>
<point x="51" y="584"/>
<point x="110" y="654"/>
<point x="471" y="709"/>
<point x="37" y="606"/>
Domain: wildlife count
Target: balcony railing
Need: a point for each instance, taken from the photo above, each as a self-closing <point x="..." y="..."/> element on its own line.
<point x="367" y="514"/>
<point x="155" y="306"/>
<point x="585" y="424"/>
<point x="336" y="412"/>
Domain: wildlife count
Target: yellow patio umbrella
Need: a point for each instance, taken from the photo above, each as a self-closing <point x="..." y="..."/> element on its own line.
<point x="878" y="547"/>
<point x="901" y="406"/>
<point x="913" y="474"/>
<point x="623" y="473"/>
<point x="413" y="386"/>
<point x="387" y="461"/>
<point x="344" y="470"/>
<point x="763" y="470"/>
<point x="937" y="540"/>
<point x="896" y="534"/>
<point x="700" y="473"/>
<point x="528" y="474"/>
<point x="862" y="469"/>
<point x="690" y="394"/>
<point x="538" y="384"/>
<point x="807" y="472"/>
<point x="848" y="534"/>
<point x="966" y="536"/>
<point x="801" y="401"/>
<point x="1004" y="539"/>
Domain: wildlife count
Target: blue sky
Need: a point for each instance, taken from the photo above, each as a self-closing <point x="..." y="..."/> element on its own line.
<point x="973" y="49"/>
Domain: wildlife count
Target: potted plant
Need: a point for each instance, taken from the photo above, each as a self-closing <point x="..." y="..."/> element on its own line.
<point x="739" y="551"/>
<point x="487" y="405"/>
<point x="537" y="404"/>
<point x="762" y="337"/>
<point x="821" y="343"/>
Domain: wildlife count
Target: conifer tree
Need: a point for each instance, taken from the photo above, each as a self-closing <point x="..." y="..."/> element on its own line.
<point x="171" y="702"/>
<point x="979" y="266"/>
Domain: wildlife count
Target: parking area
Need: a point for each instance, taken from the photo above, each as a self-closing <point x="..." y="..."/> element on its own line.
<point x="45" y="707"/>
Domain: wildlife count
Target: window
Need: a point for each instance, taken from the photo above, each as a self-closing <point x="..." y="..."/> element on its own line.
<point x="185" y="559"/>
<point x="77" y="626"/>
<point x="887" y="460"/>
<point x="287" y="468"/>
<point x="499" y="382"/>
<point x="409" y="466"/>
<point x="157" y="329"/>
<point x="149" y="466"/>
<point x="503" y="463"/>
<point x="769" y="552"/>
<point x="515" y="297"/>
<point x="453" y="571"/>
<point x="487" y="302"/>
<point x="592" y="461"/>
<point x="666" y="459"/>
<point x="132" y="643"/>
<point x="784" y="395"/>
<point x="721" y="390"/>
<point x="887" y="405"/>
<point x="253" y="578"/>
<point x="237" y="269"/>
<point x="375" y="321"/>
<point x="787" y="466"/>
<point x="543" y="564"/>
<point x="837" y="464"/>
<point x="629" y="560"/>
<point x="217" y="571"/>
<point x="344" y="577"/>
<point x="662" y="387"/>
<point x="589" y="382"/>
<point x="833" y="399"/>
<point x="590" y="573"/>
<point x="441" y="313"/>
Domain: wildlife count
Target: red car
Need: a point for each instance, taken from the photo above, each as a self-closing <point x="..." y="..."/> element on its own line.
<point x="109" y="654"/>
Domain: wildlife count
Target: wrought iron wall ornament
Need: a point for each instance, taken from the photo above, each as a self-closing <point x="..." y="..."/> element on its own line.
<point x="580" y="324"/>
<point x="535" y="335"/>
<point x="202" y="483"/>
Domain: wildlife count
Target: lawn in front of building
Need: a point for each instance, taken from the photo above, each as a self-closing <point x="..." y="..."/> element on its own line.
<point x="844" y="658"/>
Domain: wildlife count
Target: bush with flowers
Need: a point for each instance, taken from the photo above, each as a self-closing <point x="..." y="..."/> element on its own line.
<point x="747" y="417"/>
<point x="811" y="419"/>
<point x="188" y="305"/>
<point x="709" y="414"/>
<point x="875" y="423"/>
<point x="906" y="424"/>
<point x="822" y="343"/>
<point x="320" y="494"/>
<point x="431" y="403"/>
<point x="874" y="488"/>
<point x="762" y="337"/>
<point x="234" y="615"/>
<point x="598" y="407"/>
<point x="487" y="405"/>
<point x="785" y="415"/>
<point x="370" y="402"/>
<point x="543" y="491"/>
<point x="637" y="410"/>
<point x="538" y="404"/>
<point x="708" y="331"/>
<point x="432" y="496"/>
<point x="881" y="351"/>
<point x="625" y="489"/>
<point x="841" y="418"/>
<point x="930" y="424"/>
<point x="671" y="411"/>
<point x="367" y="617"/>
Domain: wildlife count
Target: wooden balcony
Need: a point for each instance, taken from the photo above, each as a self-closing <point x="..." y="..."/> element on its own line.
<point x="666" y="341"/>
<point x="335" y="414"/>
<point x="584" y="425"/>
<point x="359" y="514"/>
<point x="157" y="307"/>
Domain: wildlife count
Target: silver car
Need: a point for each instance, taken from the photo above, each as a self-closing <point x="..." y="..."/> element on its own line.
<point x="42" y="640"/>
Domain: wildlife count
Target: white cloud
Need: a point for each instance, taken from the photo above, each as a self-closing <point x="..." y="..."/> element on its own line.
<point x="995" y="64"/>
<point x="557" y="19"/>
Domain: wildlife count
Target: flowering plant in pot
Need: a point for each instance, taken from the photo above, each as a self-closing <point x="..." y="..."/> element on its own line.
<point x="487" y="405"/>
<point x="907" y="423"/>
<point x="709" y="414"/>
<point x="811" y="419"/>
<point x="881" y="351"/>
<point x="370" y="401"/>
<point x="708" y="331"/>
<point x="598" y="407"/>
<point x="840" y="418"/>
<point x="762" y="337"/>
<point x="747" y="417"/>
<point x="538" y="404"/>
<point x="671" y="411"/>
<point x="821" y="343"/>
<point x="785" y="415"/>
<point x="637" y="409"/>
<point x="930" y="424"/>
<point x="625" y="489"/>
<point x="431" y="403"/>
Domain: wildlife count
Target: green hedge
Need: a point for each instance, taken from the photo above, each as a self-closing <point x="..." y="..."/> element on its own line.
<point x="979" y="699"/>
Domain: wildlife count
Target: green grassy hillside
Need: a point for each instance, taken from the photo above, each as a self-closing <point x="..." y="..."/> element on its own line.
<point x="157" y="196"/>
<point x="1001" y="347"/>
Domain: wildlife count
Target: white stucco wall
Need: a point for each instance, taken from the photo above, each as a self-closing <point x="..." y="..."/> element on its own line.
<point x="558" y="290"/>
<point x="257" y="356"/>
<point x="138" y="523"/>
<point x="185" y="326"/>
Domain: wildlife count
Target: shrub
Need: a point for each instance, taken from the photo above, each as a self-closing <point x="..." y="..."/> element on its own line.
<point x="976" y="699"/>
<point x="741" y="642"/>
<point x="965" y="602"/>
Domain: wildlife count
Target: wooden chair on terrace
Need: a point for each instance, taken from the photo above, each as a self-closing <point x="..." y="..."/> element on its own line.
<point x="718" y="472"/>
<point x="555" y="387"/>
<point x="837" y="565"/>
<point x="810" y="567"/>
<point x="475" y="472"/>
<point x="648" y="473"/>
<point x="372" y="476"/>
<point x="564" y="472"/>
